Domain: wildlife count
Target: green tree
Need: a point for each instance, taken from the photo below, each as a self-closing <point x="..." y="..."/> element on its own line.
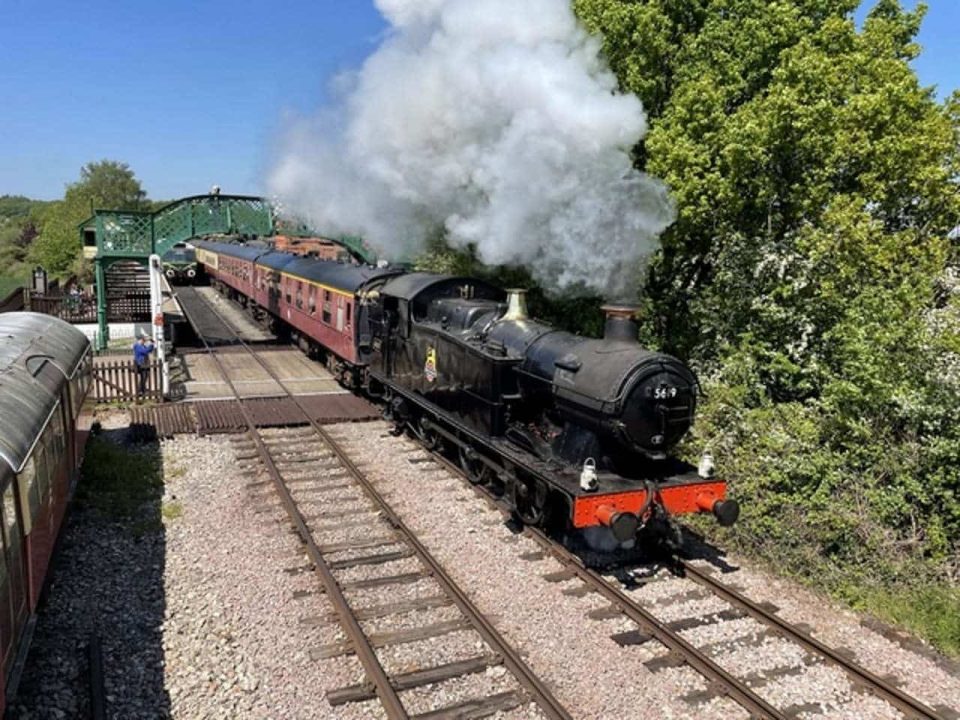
<point x="102" y="185"/>
<point x="18" y="230"/>
<point x="810" y="275"/>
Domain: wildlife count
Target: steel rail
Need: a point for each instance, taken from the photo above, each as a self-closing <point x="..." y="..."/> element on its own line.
<point x="365" y="653"/>
<point x="98" y="693"/>
<point x="724" y="682"/>
<point x="910" y="706"/>
<point x="906" y="704"/>
<point x="511" y="658"/>
<point x="535" y="688"/>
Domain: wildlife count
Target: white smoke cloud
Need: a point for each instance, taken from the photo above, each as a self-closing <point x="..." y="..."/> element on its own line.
<point x="495" y="120"/>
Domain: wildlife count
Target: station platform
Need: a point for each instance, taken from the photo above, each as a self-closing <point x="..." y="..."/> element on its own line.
<point x="220" y="322"/>
<point x="216" y="319"/>
<point x="245" y="327"/>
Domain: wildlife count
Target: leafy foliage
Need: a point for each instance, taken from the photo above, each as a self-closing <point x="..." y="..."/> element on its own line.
<point x="809" y="276"/>
<point x="18" y="230"/>
<point x="102" y="185"/>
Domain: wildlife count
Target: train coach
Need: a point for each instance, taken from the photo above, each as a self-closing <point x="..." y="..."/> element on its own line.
<point x="45" y="370"/>
<point x="320" y="304"/>
<point x="574" y="434"/>
<point x="180" y="263"/>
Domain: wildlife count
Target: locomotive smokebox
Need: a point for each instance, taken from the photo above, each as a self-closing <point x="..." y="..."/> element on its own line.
<point x="621" y="324"/>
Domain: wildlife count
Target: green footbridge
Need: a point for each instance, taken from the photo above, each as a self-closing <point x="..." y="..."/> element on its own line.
<point x="124" y="236"/>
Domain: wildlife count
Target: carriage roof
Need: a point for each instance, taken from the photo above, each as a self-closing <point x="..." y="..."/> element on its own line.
<point x="30" y="344"/>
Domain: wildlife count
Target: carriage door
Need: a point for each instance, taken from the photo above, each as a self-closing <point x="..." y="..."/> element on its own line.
<point x="13" y="596"/>
<point x="341" y="312"/>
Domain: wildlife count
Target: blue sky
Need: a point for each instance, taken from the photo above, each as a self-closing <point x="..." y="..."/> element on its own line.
<point x="193" y="93"/>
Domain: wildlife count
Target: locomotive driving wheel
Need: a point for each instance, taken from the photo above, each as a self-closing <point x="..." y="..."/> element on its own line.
<point x="529" y="497"/>
<point x="476" y="470"/>
<point x="428" y="435"/>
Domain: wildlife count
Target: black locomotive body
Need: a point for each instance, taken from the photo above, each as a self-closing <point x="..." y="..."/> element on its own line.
<point x="574" y="431"/>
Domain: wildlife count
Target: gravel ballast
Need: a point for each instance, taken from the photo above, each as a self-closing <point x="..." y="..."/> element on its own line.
<point x="594" y="676"/>
<point x="199" y="618"/>
<point x="207" y="607"/>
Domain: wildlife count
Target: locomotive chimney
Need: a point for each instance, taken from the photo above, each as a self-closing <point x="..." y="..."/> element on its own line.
<point x="621" y="324"/>
<point x="516" y="305"/>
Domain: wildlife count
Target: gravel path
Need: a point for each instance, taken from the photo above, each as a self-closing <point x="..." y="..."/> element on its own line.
<point x="105" y="580"/>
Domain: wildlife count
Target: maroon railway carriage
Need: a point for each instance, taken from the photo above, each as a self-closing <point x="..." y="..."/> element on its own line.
<point x="322" y="302"/>
<point x="45" y="367"/>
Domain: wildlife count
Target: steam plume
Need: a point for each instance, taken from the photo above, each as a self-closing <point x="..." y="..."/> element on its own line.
<point x="495" y="121"/>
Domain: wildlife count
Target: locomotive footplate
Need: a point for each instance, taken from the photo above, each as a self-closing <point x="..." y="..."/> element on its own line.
<point x="619" y="504"/>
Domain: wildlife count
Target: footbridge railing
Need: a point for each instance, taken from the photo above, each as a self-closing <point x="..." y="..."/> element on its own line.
<point x="124" y="234"/>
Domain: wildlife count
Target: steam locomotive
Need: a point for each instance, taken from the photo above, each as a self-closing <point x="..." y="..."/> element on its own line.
<point x="573" y="433"/>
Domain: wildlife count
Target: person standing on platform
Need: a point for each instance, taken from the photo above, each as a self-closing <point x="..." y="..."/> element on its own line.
<point x="141" y="358"/>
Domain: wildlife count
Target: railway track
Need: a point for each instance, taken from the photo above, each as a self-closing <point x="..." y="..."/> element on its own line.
<point x="692" y="581"/>
<point x="294" y="460"/>
<point x="620" y="589"/>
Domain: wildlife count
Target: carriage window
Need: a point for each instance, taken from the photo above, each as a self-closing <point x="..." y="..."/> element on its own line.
<point x="327" y="315"/>
<point x="3" y="585"/>
<point x="44" y="466"/>
<point x="9" y="521"/>
<point x="299" y="295"/>
<point x="29" y="490"/>
<point x="74" y="387"/>
<point x="87" y="377"/>
<point x="78" y="388"/>
<point x="12" y="543"/>
<point x="54" y="444"/>
<point x="10" y="532"/>
<point x="56" y="435"/>
<point x="349" y="312"/>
